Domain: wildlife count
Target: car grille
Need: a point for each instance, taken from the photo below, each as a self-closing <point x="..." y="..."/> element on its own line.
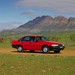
<point x="60" y="45"/>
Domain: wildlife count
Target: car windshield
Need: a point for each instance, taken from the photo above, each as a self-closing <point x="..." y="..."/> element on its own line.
<point x="44" y="38"/>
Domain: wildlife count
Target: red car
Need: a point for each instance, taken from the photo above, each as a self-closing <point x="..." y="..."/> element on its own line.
<point x="39" y="43"/>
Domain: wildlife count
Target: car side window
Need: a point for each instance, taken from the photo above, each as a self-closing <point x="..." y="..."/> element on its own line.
<point x="33" y="39"/>
<point x="43" y="38"/>
<point x="27" y="38"/>
<point x="38" y="38"/>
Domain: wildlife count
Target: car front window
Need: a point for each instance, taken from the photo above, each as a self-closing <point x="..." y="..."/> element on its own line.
<point x="44" y="38"/>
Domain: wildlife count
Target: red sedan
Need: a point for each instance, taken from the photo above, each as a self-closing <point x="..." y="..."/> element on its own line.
<point x="39" y="43"/>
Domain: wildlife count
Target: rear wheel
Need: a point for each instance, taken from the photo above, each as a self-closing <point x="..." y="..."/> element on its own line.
<point x="45" y="49"/>
<point x="56" y="51"/>
<point x="20" y="49"/>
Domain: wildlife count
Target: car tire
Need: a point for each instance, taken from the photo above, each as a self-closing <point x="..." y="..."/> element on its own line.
<point x="45" y="49"/>
<point x="20" y="49"/>
<point x="56" y="51"/>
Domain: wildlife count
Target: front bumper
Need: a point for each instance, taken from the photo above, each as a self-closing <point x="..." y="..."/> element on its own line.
<point x="59" y="47"/>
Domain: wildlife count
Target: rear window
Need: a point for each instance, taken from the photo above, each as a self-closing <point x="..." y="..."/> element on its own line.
<point x="27" y="38"/>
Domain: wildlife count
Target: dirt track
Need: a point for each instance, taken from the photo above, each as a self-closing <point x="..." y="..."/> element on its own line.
<point x="14" y="51"/>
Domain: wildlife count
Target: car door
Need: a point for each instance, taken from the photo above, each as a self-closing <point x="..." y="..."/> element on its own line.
<point x="35" y="44"/>
<point x="25" y="42"/>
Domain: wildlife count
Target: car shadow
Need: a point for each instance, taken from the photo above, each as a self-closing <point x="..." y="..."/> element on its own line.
<point x="36" y="52"/>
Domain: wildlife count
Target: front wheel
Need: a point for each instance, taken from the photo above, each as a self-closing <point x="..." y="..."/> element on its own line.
<point x="45" y="49"/>
<point x="20" y="49"/>
<point x="56" y="51"/>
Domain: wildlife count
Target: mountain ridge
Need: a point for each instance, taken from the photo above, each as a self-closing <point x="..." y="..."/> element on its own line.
<point x="46" y="23"/>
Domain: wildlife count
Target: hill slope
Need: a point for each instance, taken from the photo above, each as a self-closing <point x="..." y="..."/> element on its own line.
<point x="46" y="24"/>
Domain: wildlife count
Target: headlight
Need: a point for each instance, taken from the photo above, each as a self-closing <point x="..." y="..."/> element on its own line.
<point x="54" y="45"/>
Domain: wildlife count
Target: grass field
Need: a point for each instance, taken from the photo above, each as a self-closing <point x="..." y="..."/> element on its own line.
<point x="67" y="38"/>
<point x="36" y="65"/>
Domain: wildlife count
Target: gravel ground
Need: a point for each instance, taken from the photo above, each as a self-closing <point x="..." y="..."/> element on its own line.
<point x="14" y="51"/>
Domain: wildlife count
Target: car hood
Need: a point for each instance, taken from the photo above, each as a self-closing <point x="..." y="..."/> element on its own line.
<point x="53" y="42"/>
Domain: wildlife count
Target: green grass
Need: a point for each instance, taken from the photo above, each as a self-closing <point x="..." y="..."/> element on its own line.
<point x="5" y="45"/>
<point x="36" y="65"/>
<point x="67" y="38"/>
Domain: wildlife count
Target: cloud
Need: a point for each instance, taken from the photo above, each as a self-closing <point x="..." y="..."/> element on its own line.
<point x="61" y="6"/>
<point x="27" y="12"/>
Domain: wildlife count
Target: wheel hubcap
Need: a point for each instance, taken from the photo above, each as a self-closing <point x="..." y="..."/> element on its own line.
<point x="45" y="49"/>
<point x="19" y="48"/>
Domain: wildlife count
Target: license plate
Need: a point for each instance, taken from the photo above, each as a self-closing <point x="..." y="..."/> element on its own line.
<point x="61" y="47"/>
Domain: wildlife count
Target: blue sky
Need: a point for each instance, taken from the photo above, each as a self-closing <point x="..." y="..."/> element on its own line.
<point x="13" y="13"/>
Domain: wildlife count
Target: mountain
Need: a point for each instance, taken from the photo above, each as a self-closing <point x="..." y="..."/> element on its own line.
<point x="45" y="24"/>
<point x="48" y="23"/>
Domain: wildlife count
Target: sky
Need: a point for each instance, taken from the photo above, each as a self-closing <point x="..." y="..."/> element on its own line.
<point x="14" y="13"/>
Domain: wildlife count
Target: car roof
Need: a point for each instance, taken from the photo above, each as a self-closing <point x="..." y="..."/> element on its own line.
<point x="34" y="35"/>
